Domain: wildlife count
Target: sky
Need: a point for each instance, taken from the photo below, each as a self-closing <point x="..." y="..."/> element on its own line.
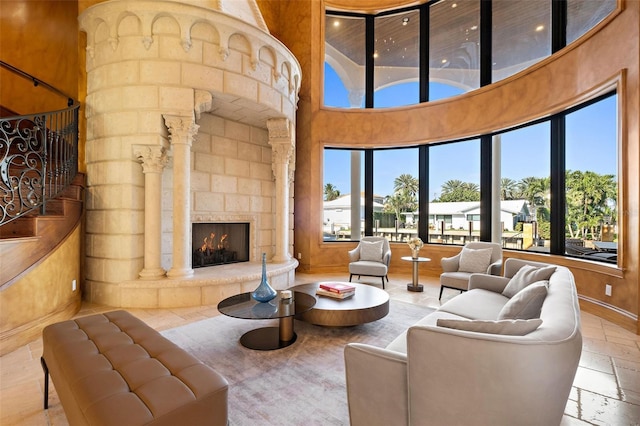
<point x="591" y="145"/>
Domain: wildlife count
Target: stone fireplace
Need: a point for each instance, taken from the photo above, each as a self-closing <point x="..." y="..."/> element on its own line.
<point x="191" y="109"/>
<point x="219" y="243"/>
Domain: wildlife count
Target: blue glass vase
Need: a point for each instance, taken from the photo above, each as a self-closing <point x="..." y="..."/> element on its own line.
<point x="264" y="292"/>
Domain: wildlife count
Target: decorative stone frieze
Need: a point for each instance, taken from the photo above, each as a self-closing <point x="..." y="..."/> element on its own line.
<point x="110" y="21"/>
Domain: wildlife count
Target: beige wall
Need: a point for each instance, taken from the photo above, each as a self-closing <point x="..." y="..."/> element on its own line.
<point x="42" y="296"/>
<point x="606" y="57"/>
<point x="31" y="40"/>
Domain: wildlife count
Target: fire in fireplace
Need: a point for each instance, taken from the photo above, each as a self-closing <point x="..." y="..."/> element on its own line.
<point x="219" y="243"/>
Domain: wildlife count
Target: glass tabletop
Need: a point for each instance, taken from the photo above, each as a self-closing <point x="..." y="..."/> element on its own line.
<point x="243" y="306"/>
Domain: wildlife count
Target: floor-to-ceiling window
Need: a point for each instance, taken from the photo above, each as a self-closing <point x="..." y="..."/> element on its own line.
<point x="591" y="197"/>
<point x="588" y="211"/>
<point x="344" y="78"/>
<point x="436" y="50"/>
<point x="395" y="189"/>
<point x="457" y="47"/>
<point x="454" y="48"/>
<point x="343" y="188"/>
<point x="521" y="35"/>
<point x="454" y="192"/>
<point x="396" y="58"/>
<point x="524" y="156"/>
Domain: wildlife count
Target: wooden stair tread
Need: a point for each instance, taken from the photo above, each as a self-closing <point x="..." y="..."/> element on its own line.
<point x="28" y="240"/>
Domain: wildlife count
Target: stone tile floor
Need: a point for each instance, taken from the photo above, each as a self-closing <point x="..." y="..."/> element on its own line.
<point x="606" y="389"/>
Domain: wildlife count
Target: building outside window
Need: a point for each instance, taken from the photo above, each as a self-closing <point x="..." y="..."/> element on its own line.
<point x="525" y="167"/>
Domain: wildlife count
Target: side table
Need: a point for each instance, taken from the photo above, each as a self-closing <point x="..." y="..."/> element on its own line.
<point x="413" y="285"/>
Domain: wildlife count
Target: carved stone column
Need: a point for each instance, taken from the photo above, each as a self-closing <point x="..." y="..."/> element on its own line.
<point x="282" y="143"/>
<point x="181" y="133"/>
<point x="153" y="159"/>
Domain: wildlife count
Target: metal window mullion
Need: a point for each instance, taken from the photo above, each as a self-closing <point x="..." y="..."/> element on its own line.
<point x="486" y="34"/>
<point x="424" y="53"/>
<point x="558" y="25"/>
<point x="423" y="192"/>
<point x="368" y="192"/>
<point x="369" y="60"/>
<point x="486" y="184"/>
<point x="558" y="183"/>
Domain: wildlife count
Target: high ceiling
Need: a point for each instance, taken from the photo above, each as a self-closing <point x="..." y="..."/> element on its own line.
<point x="521" y="33"/>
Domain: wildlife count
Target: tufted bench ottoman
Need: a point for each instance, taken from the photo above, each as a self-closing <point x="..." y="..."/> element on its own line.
<point x="113" y="369"/>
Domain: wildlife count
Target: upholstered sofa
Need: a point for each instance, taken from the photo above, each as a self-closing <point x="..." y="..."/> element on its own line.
<point x="508" y="372"/>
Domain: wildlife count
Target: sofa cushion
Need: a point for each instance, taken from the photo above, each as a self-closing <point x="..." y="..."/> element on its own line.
<point x="399" y="344"/>
<point x="525" y="276"/>
<point x="517" y="327"/>
<point x="527" y="303"/>
<point x="366" y="267"/>
<point x="476" y="304"/>
<point x="371" y="250"/>
<point x="475" y="260"/>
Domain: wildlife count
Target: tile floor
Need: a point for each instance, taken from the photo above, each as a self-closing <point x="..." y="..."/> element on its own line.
<point x="606" y="389"/>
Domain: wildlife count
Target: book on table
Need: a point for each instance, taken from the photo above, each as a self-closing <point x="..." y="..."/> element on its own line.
<point x="337" y="287"/>
<point x="333" y="294"/>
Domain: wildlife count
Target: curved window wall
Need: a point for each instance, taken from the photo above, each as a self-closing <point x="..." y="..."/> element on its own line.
<point x="438" y="191"/>
<point x="444" y="48"/>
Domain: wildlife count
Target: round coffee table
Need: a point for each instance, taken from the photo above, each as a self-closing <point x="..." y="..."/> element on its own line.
<point x="267" y="338"/>
<point x="366" y="305"/>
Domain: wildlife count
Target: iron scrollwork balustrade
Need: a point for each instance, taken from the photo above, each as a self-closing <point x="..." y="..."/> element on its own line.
<point x="38" y="160"/>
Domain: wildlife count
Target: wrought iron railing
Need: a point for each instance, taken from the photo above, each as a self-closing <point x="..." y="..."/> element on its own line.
<point x="38" y="158"/>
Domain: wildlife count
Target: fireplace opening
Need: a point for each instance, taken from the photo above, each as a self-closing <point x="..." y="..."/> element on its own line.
<point x="219" y="243"/>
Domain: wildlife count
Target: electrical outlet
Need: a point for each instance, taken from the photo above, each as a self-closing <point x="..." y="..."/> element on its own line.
<point x="74" y="285"/>
<point x="607" y="289"/>
<point x="299" y="256"/>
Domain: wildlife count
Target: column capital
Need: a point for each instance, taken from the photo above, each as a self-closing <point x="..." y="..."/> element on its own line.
<point x="281" y="140"/>
<point x="181" y="129"/>
<point x="152" y="157"/>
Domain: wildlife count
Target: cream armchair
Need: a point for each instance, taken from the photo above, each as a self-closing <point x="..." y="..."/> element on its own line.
<point x="457" y="270"/>
<point x="371" y="258"/>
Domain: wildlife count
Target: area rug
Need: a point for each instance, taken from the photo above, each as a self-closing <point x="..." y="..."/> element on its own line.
<point x="303" y="384"/>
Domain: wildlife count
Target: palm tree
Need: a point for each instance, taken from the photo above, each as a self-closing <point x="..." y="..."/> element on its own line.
<point x="330" y="192"/>
<point x="451" y="186"/>
<point x="537" y="192"/>
<point x="508" y="189"/>
<point x="456" y="190"/>
<point x="590" y="197"/>
<point x="407" y="184"/>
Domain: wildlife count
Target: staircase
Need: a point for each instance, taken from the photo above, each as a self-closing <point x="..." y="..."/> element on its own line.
<point x="41" y="211"/>
<point x="26" y="241"/>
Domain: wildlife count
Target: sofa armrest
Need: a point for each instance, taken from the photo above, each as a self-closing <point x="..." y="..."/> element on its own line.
<point x="354" y="255"/>
<point x="495" y="268"/>
<point x="377" y="388"/>
<point x="488" y="282"/>
<point x="454" y="375"/>
<point x="450" y="264"/>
